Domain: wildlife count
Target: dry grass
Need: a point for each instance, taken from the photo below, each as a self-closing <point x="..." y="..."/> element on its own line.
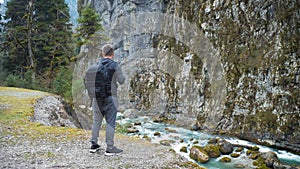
<point x="16" y="111"/>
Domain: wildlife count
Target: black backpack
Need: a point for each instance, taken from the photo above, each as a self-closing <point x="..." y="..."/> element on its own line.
<point x="98" y="79"/>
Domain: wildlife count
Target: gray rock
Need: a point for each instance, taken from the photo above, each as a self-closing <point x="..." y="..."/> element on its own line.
<point x="259" y="91"/>
<point x="239" y="165"/>
<point x="199" y="154"/>
<point x="131" y="113"/>
<point x="166" y="142"/>
<point x="225" y="146"/>
<point x="270" y="158"/>
<point x="51" y="111"/>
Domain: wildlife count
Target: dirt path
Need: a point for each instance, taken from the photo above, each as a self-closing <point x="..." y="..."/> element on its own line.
<point x="24" y="144"/>
<point x="75" y="154"/>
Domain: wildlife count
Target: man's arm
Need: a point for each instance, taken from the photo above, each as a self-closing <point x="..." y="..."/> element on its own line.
<point x="119" y="75"/>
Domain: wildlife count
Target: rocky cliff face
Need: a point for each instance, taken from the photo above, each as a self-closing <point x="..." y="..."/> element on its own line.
<point x="54" y="111"/>
<point x="232" y="65"/>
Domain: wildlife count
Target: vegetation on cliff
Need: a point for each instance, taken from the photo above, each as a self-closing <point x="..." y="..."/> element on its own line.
<point x="259" y="45"/>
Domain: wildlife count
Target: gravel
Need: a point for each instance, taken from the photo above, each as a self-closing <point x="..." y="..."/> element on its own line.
<point x="22" y="153"/>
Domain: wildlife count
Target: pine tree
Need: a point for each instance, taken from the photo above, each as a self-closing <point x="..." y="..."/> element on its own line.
<point x="38" y="38"/>
<point x="15" y="31"/>
<point x="89" y="23"/>
<point x="54" y="36"/>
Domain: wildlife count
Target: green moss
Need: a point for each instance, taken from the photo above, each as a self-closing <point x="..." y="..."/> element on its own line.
<point x="15" y="119"/>
<point x="196" y="142"/>
<point x="239" y="149"/>
<point x="123" y="128"/>
<point x="157" y="133"/>
<point x="260" y="163"/>
<point x="254" y="148"/>
<point x="202" y="157"/>
<point x="183" y="149"/>
<point x="225" y="159"/>
<point x="235" y="155"/>
<point x="254" y="155"/>
<point x="213" y="150"/>
<point x="145" y="83"/>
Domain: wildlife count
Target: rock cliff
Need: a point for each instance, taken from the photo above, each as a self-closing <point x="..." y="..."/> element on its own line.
<point x="227" y="65"/>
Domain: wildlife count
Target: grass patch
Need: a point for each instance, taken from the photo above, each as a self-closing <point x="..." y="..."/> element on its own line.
<point x="15" y="113"/>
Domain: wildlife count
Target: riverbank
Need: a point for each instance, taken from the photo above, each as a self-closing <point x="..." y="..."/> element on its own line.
<point x="26" y="144"/>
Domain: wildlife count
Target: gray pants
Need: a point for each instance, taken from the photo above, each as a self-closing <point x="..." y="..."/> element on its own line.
<point x="106" y="108"/>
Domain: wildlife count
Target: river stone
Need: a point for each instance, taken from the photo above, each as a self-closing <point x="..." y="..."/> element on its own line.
<point x="131" y="113"/>
<point x="137" y="123"/>
<point x="132" y="130"/>
<point x="166" y="142"/>
<point x="239" y="149"/>
<point x="212" y="150"/>
<point x="254" y="148"/>
<point x="213" y="141"/>
<point x="225" y="146"/>
<point x="158" y="119"/>
<point x="239" y="165"/>
<point x="170" y="130"/>
<point x="270" y="157"/>
<point x="235" y="155"/>
<point x="183" y="149"/>
<point x="157" y="134"/>
<point x="199" y="154"/>
<point x="225" y="159"/>
<point x="254" y="155"/>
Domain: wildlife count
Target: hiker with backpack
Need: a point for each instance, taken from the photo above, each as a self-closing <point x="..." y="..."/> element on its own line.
<point x="101" y="81"/>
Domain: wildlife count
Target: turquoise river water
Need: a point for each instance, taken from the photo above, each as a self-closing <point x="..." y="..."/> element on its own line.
<point x="148" y="128"/>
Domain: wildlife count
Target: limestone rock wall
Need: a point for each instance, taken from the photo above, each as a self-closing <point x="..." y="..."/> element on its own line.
<point x="229" y="65"/>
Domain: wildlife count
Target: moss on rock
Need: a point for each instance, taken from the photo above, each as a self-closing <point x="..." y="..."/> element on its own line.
<point x="183" y="149"/>
<point x="198" y="154"/>
<point x="234" y="155"/>
<point x="212" y="150"/>
<point x="225" y="159"/>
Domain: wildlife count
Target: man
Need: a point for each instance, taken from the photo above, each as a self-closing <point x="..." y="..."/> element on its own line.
<point x="107" y="107"/>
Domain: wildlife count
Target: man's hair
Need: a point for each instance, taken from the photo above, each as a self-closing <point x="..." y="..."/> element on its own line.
<point x="107" y="50"/>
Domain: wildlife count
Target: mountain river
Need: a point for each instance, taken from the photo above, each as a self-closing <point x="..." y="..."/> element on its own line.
<point x="183" y="137"/>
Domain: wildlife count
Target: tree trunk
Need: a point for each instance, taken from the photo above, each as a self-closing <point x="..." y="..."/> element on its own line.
<point x="29" y="40"/>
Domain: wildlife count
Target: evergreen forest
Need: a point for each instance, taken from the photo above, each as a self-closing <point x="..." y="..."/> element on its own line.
<point x="39" y="44"/>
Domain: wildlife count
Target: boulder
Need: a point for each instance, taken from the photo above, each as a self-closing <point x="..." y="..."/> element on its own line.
<point x="198" y="154"/>
<point x="225" y="146"/>
<point x="131" y="113"/>
<point x="212" y="150"/>
<point x="270" y="158"/>
<point x="213" y="141"/>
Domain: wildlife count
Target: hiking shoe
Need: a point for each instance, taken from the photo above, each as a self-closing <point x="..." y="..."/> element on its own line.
<point x="94" y="148"/>
<point x="113" y="151"/>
